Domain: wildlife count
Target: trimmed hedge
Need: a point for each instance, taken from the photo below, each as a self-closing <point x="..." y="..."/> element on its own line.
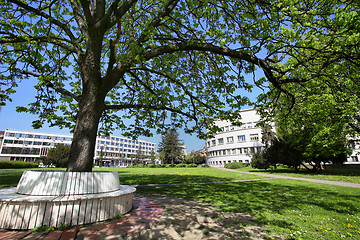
<point x="180" y="165"/>
<point x="235" y="165"/>
<point x="16" y="164"/>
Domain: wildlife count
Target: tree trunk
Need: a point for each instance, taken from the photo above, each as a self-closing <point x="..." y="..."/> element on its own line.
<point x="85" y="133"/>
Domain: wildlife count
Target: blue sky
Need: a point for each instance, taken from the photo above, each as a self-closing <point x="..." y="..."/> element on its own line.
<point x="26" y="93"/>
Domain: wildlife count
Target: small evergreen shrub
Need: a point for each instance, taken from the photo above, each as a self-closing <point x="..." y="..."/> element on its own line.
<point x="181" y="165"/>
<point x="16" y="164"/>
<point x="236" y="165"/>
<point x="205" y="165"/>
<point x="259" y="161"/>
<point x="192" y="165"/>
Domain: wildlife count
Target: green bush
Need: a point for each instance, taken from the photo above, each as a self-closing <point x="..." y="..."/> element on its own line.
<point x="192" y="165"/>
<point x="16" y="164"/>
<point x="236" y="165"/>
<point x="259" y="161"/>
<point x="181" y="165"/>
<point x="205" y="165"/>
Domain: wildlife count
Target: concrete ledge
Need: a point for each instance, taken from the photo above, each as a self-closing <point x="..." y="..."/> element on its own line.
<point x="55" y="183"/>
<point x="55" y="198"/>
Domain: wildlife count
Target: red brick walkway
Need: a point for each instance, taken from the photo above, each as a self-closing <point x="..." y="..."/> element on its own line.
<point x="144" y="212"/>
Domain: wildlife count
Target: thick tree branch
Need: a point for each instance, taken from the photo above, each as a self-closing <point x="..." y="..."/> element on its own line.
<point x="79" y="16"/>
<point x="17" y="39"/>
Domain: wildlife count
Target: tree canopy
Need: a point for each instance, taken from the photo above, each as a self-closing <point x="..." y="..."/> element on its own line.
<point x="163" y="63"/>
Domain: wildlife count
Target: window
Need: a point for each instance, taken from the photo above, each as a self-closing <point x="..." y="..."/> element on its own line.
<point x="241" y="138"/>
<point x="254" y="137"/>
<point x="221" y="141"/>
<point x="28" y="142"/>
<point x="38" y="136"/>
<point x="213" y="142"/>
<point x="239" y="149"/>
<point x="29" y="136"/>
<point x="249" y="125"/>
<point x="234" y="151"/>
<point x="8" y="141"/>
<point x="18" y="142"/>
<point x="10" y="134"/>
<point x="226" y="128"/>
<point x="230" y="139"/>
<point x="354" y="158"/>
<point x="208" y="144"/>
<point x="245" y="150"/>
<point x="19" y="135"/>
<point x="232" y="128"/>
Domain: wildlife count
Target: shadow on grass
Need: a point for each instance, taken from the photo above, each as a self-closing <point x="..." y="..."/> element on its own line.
<point x="328" y="171"/>
<point x="267" y="199"/>
<point x="130" y="179"/>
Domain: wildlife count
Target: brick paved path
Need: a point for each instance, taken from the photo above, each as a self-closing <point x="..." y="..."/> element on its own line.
<point x="144" y="212"/>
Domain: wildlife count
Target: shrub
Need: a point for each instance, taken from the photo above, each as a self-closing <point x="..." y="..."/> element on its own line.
<point x="236" y="165"/>
<point x="16" y="164"/>
<point x="259" y="161"/>
<point x="192" y="165"/>
<point x="205" y="165"/>
<point x="181" y="165"/>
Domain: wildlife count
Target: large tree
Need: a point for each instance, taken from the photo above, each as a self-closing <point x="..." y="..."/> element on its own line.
<point x="160" y="63"/>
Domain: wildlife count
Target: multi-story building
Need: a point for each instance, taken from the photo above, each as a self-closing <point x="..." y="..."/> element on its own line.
<point x="31" y="145"/>
<point x="233" y="143"/>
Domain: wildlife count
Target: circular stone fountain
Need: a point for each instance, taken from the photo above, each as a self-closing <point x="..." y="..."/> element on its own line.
<point x="56" y="198"/>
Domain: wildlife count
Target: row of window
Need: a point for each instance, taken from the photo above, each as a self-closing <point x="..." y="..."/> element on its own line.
<point x="234" y="151"/>
<point x="244" y="126"/>
<point x="122" y="149"/>
<point x="10" y="141"/>
<point x="123" y="140"/>
<point x="216" y="163"/>
<point x="22" y="135"/>
<point x="123" y="145"/>
<point x="16" y="150"/>
<point x="240" y="138"/>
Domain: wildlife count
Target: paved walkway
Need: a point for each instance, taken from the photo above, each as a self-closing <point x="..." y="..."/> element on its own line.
<point x="144" y="212"/>
<point x="337" y="183"/>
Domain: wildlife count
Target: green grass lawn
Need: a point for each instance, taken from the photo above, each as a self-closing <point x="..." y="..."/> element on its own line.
<point x="130" y="176"/>
<point x="296" y="209"/>
<point x="333" y="174"/>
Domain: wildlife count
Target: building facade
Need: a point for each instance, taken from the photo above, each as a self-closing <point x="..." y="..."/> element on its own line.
<point x="236" y="144"/>
<point x="30" y="146"/>
<point x="233" y="143"/>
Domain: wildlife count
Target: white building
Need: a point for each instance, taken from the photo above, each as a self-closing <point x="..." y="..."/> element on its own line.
<point x="235" y="144"/>
<point x="30" y="145"/>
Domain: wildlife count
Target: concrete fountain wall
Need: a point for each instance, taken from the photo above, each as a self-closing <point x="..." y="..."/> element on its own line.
<point x="56" y="198"/>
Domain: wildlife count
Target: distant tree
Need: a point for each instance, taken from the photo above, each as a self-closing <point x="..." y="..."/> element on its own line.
<point x="59" y="155"/>
<point x="195" y="157"/>
<point x="170" y="148"/>
<point x="139" y="156"/>
<point x="152" y="156"/>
